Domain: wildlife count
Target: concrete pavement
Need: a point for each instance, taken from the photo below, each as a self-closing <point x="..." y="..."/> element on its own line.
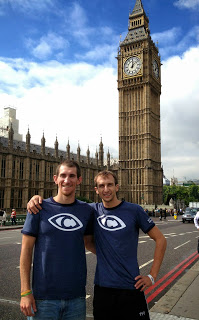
<point x="181" y="302"/>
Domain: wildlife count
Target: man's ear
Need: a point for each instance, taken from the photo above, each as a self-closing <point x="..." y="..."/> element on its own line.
<point x="55" y="178"/>
<point x="79" y="181"/>
<point x="117" y="187"/>
<point x="96" y="190"/>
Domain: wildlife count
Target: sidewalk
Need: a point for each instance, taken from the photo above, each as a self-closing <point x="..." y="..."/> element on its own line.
<point x="181" y="302"/>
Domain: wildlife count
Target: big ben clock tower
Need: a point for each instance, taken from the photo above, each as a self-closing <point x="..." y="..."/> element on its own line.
<point x="139" y="86"/>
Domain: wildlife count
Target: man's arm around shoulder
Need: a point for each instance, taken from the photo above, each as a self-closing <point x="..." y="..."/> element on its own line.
<point x="89" y="243"/>
<point x="27" y="303"/>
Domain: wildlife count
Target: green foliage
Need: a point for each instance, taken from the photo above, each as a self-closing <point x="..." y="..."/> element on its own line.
<point x="188" y="194"/>
<point x="84" y="199"/>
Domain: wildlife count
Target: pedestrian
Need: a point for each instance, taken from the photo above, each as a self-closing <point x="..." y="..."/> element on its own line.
<point x="13" y="216"/>
<point x="165" y="213"/>
<point x="4" y="217"/>
<point x="56" y="234"/>
<point x="161" y="214"/>
<point x="1" y="216"/>
<point x="196" y="222"/>
<point x="119" y="287"/>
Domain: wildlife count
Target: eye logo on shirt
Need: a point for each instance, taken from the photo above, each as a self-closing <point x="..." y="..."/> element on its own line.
<point x="66" y="222"/>
<point x="110" y="223"/>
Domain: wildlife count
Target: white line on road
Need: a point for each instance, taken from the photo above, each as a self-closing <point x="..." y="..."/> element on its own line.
<point x="141" y="241"/>
<point x="182" y="244"/>
<point x="145" y="264"/>
<point x="9" y="301"/>
<point x="5" y="238"/>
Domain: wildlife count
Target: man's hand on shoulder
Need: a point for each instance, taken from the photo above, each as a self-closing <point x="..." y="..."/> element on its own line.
<point x="34" y="205"/>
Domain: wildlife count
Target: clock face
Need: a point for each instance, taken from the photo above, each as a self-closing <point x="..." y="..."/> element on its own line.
<point x="132" y="66"/>
<point x="155" y="69"/>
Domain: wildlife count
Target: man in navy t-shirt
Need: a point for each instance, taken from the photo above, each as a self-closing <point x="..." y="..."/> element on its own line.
<point x="118" y="292"/>
<point x="59" y="266"/>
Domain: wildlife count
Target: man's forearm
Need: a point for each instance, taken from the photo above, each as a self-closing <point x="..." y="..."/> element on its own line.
<point x="158" y="256"/>
<point x="26" y="261"/>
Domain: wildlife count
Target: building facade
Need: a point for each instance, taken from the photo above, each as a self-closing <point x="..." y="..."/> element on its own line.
<point x="139" y="86"/>
<point x="27" y="169"/>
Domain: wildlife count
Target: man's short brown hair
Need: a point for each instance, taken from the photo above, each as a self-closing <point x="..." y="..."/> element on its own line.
<point x="105" y="174"/>
<point x="69" y="164"/>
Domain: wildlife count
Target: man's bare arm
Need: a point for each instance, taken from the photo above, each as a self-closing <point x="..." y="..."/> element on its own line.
<point x="34" y="205"/>
<point x="161" y="244"/>
<point x="28" y="302"/>
<point x="89" y="243"/>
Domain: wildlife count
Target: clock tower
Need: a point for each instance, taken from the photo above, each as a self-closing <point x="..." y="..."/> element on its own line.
<point x="139" y="86"/>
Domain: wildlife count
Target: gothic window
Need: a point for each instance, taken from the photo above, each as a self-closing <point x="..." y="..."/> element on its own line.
<point x="13" y="167"/>
<point x="2" y="198"/>
<point x="3" y="167"/>
<point x="30" y="174"/>
<point x="51" y="172"/>
<point x="37" y="171"/>
<point x="21" y="164"/>
<point x="19" y="200"/>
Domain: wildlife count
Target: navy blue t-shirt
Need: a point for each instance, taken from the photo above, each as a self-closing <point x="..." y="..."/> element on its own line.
<point x="59" y="266"/>
<point x="116" y="237"/>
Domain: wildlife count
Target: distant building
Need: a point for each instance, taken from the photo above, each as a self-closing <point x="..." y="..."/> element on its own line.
<point x="8" y="120"/>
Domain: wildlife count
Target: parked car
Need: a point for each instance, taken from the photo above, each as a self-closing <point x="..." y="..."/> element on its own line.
<point x="189" y="215"/>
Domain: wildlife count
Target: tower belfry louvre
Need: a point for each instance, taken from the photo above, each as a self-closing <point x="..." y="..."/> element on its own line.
<point x="139" y="86"/>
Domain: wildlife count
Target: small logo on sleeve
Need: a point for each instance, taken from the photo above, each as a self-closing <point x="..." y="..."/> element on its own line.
<point x="110" y="223"/>
<point x="66" y="222"/>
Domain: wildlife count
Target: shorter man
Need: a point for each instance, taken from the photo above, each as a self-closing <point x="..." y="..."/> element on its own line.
<point x="118" y="292"/>
<point x="56" y="234"/>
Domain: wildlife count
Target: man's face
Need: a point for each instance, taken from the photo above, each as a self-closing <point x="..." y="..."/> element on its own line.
<point x="67" y="180"/>
<point x="106" y="188"/>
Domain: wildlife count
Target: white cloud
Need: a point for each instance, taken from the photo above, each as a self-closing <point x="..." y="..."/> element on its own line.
<point x="180" y="114"/>
<point x="187" y="4"/>
<point x="168" y="36"/>
<point x="28" y="5"/>
<point x="75" y="101"/>
<point x="47" y="45"/>
<point x="171" y="41"/>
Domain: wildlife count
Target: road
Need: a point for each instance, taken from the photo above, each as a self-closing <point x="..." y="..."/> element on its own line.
<point x="179" y="257"/>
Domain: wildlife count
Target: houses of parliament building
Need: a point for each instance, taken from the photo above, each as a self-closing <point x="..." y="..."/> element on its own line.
<point x="27" y="169"/>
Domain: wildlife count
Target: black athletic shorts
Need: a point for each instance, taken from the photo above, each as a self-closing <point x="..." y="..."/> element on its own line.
<point x="119" y="304"/>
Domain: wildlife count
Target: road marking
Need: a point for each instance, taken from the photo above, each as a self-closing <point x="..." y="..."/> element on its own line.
<point x="88" y="252"/>
<point x="145" y="264"/>
<point x="5" y="238"/>
<point x="9" y="301"/>
<point x="17" y="242"/>
<point x="141" y="241"/>
<point x="88" y="296"/>
<point x="182" y="244"/>
<point x="162" y="287"/>
<point x="169" y="234"/>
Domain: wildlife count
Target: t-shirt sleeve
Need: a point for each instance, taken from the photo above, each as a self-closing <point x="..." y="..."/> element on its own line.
<point x="90" y="225"/>
<point x="144" y="221"/>
<point x="31" y="225"/>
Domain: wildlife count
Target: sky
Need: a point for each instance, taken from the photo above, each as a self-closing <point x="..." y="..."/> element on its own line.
<point x="58" y="68"/>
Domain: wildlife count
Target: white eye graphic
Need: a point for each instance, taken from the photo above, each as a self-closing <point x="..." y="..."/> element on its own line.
<point x="111" y="223"/>
<point x="65" y="222"/>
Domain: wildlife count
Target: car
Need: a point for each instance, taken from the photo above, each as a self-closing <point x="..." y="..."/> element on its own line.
<point x="189" y="215"/>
